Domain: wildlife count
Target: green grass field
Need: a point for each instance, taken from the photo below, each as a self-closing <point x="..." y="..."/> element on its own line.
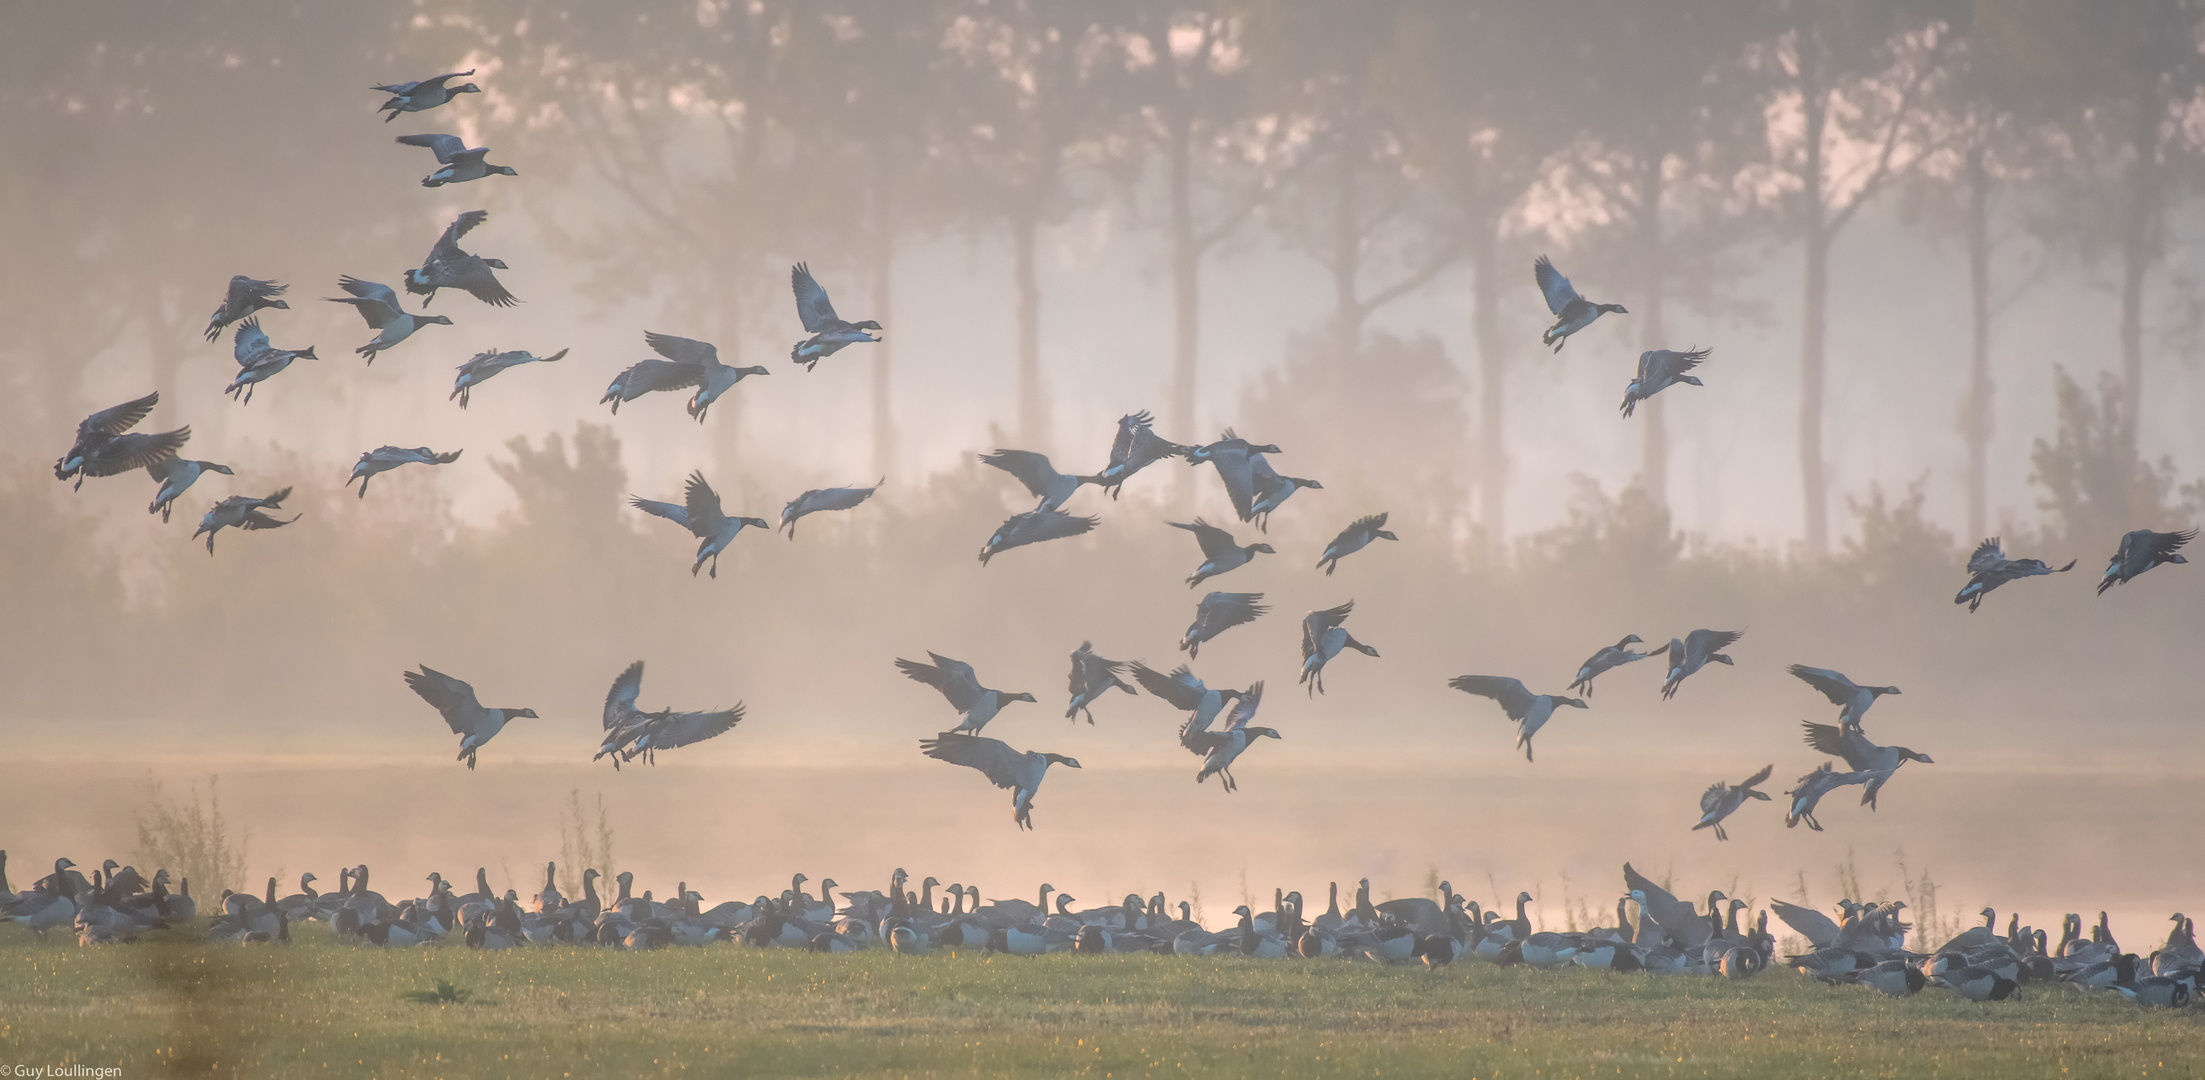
<point x="318" y="1008"/>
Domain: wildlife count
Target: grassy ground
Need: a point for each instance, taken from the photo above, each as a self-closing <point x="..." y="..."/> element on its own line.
<point x="318" y="1008"/>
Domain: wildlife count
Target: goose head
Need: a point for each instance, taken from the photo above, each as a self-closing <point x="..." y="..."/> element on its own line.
<point x="1578" y="703"/>
<point x="1263" y="732"/>
<point x="868" y="324"/>
<point x="1616" y="309"/>
<point x="504" y="170"/>
<point x="516" y="714"/>
<point x="1910" y="755"/>
<point x="306" y="353"/>
<point x="1628" y="641"/>
<point x="444" y="320"/>
<point x="1020" y="696"/>
<point x="1060" y="759"/>
<point x="496" y="264"/>
<point x="1266" y="549"/>
<point x="1384" y="534"/>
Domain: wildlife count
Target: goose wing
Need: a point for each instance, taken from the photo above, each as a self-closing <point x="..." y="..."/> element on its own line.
<point x="1705" y="643"/>
<point x="1221" y="611"/>
<point x="1669" y="363"/>
<point x="1031" y="469"/>
<point x="1759" y="778"/>
<point x="119" y="418"/>
<point x="1557" y="289"/>
<point x="1053" y="525"/>
<point x="1827" y="739"/>
<point x="703" y="506"/>
<point x="250" y="342"/>
<point x="1514" y="697"/>
<point x="1244" y="707"/>
<point x="812" y="305"/>
<point x="1180" y="688"/>
<point x="620" y="700"/>
<point x="446" y="147"/>
<point x="1988" y="556"/>
<point x="993" y="757"/>
<point x="451" y="697"/>
<point x="682" y="350"/>
<point x="374" y="300"/>
<point x="646" y="376"/>
<point x="245" y="290"/>
<point x="137" y="450"/>
<point x="1317" y="622"/>
<point x="954" y="678"/>
<point x="682" y="729"/>
<point x="1216" y="543"/>
<point x="1834" y="685"/>
<point x="2163" y="544"/>
<point x="677" y="514"/>
<point x="447" y="245"/>
<point x="1678" y="919"/>
<point x="1713" y="797"/>
<point x="1813" y="925"/>
<point x="1130" y="428"/>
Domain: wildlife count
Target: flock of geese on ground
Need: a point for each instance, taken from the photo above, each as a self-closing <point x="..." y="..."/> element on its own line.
<point x="1864" y="946"/>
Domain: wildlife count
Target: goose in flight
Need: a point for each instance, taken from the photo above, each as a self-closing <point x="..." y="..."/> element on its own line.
<point x="447" y="267"/>
<point x="1233" y="458"/>
<point x="424" y="94"/>
<point x="1571" y="311"/>
<point x="1721" y="799"/>
<point x="1851" y="698"/>
<point x="1183" y="691"/>
<point x="1136" y="447"/>
<point x="480" y="367"/>
<point x="1693" y="653"/>
<point x="1040" y="478"/>
<point x="245" y="296"/>
<point x="1220" y="554"/>
<point x="377" y="304"/>
<point x="454" y="699"/>
<point x="460" y="164"/>
<point x="975" y="704"/>
<point x="1614" y="656"/>
<point x="242" y="512"/>
<point x="258" y="361"/>
<point x="1034" y="527"/>
<point x="1352" y="539"/>
<point x="1220" y="748"/>
<point x="700" y="513"/>
<point x="383" y="459"/>
<point x="624" y="723"/>
<point x="1809" y="792"/>
<point x="1862" y="756"/>
<point x="1989" y="568"/>
<point x="106" y="446"/>
<point x="818" y="500"/>
<point x="1004" y="767"/>
<point x="829" y="333"/>
<point x="1322" y="639"/>
<point x="176" y="475"/>
<point x="1271" y="490"/>
<point x="669" y="730"/>
<point x="1092" y="677"/>
<point x="688" y="363"/>
<point x="2141" y="550"/>
<point x="1216" y="613"/>
<point x="1530" y="711"/>
<point x="1658" y="370"/>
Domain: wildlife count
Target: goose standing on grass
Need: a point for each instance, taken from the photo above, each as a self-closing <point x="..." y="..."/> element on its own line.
<point x="1136" y="447"/>
<point x="426" y="94"/>
<point x="1614" y="656"/>
<point x="1693" y="653"/>
<point x="669" y="730"/>
<point x="242" y="512"/>
<point x="447" y="267"/>
<point x="1220" y="748"/>
<point x="819" y="500"/>
<point x="1004" y="767"/>
<point x="1530" y="711"/>
<point x="1322" y="639"/>
<point x="377" y="304"/>
<point x="1862" y="756"/>
<point x="1034" y="527"/>
<point x="1658" y="370"/>
<point x="1810" y="790"/>
<point x="480" y="367"/>
<point x="688" y="363"/>
<point x="700" y="513"/>
<point x="1092" y="677"/>
<point x="383" y="459"/>
<point x="257" y="360"/>
<point x="1186" y="693"/>
<point x="1040" y="478"/>
<point x="460" y="163"/>
<point x="1271" y="490"/>
<point x="106" y="446"/>
<point x="829" y="333"/>
<point x="1721" y="799"/>
<point x="1220" y="554"/>
<point x="454" y="699"/>
<point x="1571" y="311"/>
<point x="975" y="704"/>
<point x="244" y="297"/>
<point x="1352" y="539"/>
<point x="1989" y="568"/>
<point x="1851" y="698"/>
<point x="177" y="475"/>
<point x="1218" y="612"/>
<point x="2140" y="551"/>
<point x="1233" y="458"/>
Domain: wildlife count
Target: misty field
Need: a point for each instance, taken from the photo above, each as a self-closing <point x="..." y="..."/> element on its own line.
<point x="323" y="1009"/>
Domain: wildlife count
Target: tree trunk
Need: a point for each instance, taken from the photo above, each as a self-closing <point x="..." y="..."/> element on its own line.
<point x="1815" y="243"/>
<point x="2136" y="259"/>
<point x="1653" y="474"/>
<point x="1485" y="324"/>
<point x="1186" y="269"/>
<point x="1347" y="247"/>
<point x="1975" y="417"/>
<point x="1033" y="405"/>
<point x="884" y="262"/>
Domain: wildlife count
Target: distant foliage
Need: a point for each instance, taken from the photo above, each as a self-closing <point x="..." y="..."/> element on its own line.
<point x="190" y="838"/>
<point x="2096" y="485"/>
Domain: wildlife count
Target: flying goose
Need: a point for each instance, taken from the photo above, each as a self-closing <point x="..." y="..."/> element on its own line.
<point x="1989" y="568"/>
<point x="425" y="94"/>
<point x="1851" y="698"/>
<point x="1233" y="458"/>
<point x="668" y="730"/>
<point x="1004" y="767"/>
<point x="1271" y="490"/>
<point x="1352" y="539"/>
<point x="700" y="513"/>
<point x="383" y="459"/>
<point x="1186" y="693"/>
<point x="1136" y="447"/>
<point x="1219" y="553"/>
<point x="1721" y="799"/>
<point x="460" y="164"/>
<point x="1809" y="792"/>
<point x="829" y="333"/>
<point x="624" y="723"/>
<point x="257" y="360"/>
<point x="688" y="363"/>
<point x="454" y="699"/>
<point x="480" y="367"/>
<point x="824" y="499"/>
<point x="1530" y="711"/>
<point x="1040" y="478"/>
<point x="1092" y="677"/>
<point x="1658" y="370"/>
<point x="1216" y="613"/>
<point x="975" y="704"/>
<point x="447" y="267"/>
<point x="106" y="446"/>
<point x="377" y="304"/>
<point x="1571" y="311"/>
<point x="176" y="475"/>
<point x="1220" y="748"/>
<point x="1693" y="653"/>
<point x="1614" y="656"/>
<point x="2141" y="550"/>
<point x="242" y="512"/>
<point x="1322" y="639"/>
<point x="244" y="296"/>
<point x="1862" y="756"/>
<point x="1034" y="527"/>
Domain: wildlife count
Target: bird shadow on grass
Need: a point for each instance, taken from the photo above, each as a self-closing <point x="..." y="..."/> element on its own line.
<point x="444" y="994"/>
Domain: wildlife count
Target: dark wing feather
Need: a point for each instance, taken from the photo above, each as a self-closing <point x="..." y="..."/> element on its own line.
<point x="1170" y="687"/>
<point x="703" y="505"/>
<point x="1316" y="623"/>
<point x="812" y="305"/>
<point x="1711" y="642"/>
<point x="682" y="350"/>
<point x="1032" y="469"/>
<point x="1226" y="610"/>
<point x="451" y="697"/>
<point x="120" y="418"/>
<point x="647" y="376"/>
<point x="1834" y="685"/>
<point x="1513" y="695"/>
<point x="1216" y="542"/>
<point x="683" y="729"/>
<point x="1557" y="289"/>
<point x="446" y="147"/>
<point x="620" y="700"/>
<point x="1826" y="739"/>
<point x="1759" y="778"/>
<point x="993" y="757"/>
<point x="137" y="450"/>
<point x="1988" y="555"/>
